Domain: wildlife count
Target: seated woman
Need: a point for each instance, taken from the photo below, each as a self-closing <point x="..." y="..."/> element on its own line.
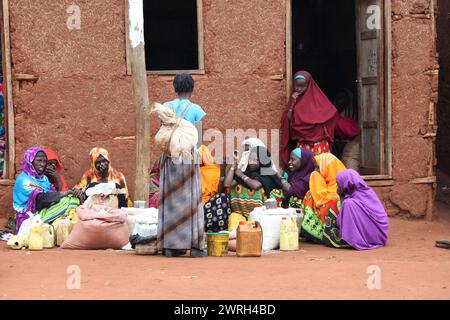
<point x="250" y="189"/>
<point x="216" y="204"/>
<point x="34" y="193"/>
<point x="53" y="171"/>
<point x="154" y="185"/>
<point x="301" y="165"/>
<point x="322" y="204"/>
<point x="363" y="221"/>
<point x="101" y="171"/>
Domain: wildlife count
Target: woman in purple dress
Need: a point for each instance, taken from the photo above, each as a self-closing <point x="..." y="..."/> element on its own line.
<point x="363" y="221"/>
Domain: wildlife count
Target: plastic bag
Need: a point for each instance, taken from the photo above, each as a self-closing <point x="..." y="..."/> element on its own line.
<point x="270" y="220"/>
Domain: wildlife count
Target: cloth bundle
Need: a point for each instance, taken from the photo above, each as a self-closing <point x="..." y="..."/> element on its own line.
<point x="177" y="136"/>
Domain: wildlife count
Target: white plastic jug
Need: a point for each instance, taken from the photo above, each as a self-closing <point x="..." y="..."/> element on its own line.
<point x="48" y="234"/>
<point x="288" y="234"/>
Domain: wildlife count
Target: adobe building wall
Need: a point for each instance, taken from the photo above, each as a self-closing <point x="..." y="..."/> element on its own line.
<point x="83" y="97"/>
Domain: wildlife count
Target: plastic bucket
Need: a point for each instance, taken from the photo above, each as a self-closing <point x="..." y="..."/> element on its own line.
<point x="217" y="244"/>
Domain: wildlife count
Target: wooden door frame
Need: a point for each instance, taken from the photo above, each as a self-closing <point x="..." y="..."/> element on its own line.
<point x="8" y="95"/>
<point x="387" y="82"/>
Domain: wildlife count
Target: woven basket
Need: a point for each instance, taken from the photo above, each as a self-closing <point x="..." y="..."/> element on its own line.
<point x="147" y="249"/>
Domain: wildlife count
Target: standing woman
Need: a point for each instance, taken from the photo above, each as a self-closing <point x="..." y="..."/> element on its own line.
<point x="309" y="119"/>
<point x="180" y="214"/>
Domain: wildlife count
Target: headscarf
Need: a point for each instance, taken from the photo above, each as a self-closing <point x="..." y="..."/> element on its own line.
<point x="265" y="174"/>
<point x="252" y="143"/>
<point x="299" y="180"/>
<point x="28" y="185"/>
<point x="363" y="221"/>
<point x="210" y="174"/>
<point x="51" y="155"/>
<point x="323" y="185"/>
<point x="94" y="176"/>
<point x="313" y="118"/>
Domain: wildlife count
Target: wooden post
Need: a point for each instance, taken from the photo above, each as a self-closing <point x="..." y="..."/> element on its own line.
<point x="140" y="98"/>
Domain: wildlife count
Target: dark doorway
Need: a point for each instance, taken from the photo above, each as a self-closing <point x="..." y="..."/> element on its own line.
<point x="324" y="44"/>
<point x="443" y="106"/>
<point x="171" y="35"/>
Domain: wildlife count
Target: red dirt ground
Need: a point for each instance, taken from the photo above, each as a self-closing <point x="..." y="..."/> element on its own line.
<point x="411" y="268"/>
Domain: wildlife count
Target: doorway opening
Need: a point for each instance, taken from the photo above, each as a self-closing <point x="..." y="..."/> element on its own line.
<point x="443" y="107"/>
<point x="345" y="46"/>
<point x="324" y="44"/>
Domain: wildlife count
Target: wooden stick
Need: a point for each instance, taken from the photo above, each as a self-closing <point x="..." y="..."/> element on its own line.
<point x="140" y="98"/>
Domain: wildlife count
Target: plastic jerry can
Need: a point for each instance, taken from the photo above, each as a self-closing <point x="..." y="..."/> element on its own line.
<point x="35" y="238"/>
<point x="63" y="228"/>
<point x="249" y="239"/>
<point x="73" y="216"/>
<point x="17" y="242"/>
<point x="48" y="234"/>
<point x="288" y="234"/>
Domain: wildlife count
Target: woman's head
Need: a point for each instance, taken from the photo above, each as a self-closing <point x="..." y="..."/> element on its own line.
<point x="328" y="165"/>
<point x="183" y="83"/>
<point x="34" y="162"/>
<point x="295" y="160"/>
<point x="100" y="160"/>
<point x="348" y="181"/>
<point x="259" y="158"/>
<point x="301" y="82"/>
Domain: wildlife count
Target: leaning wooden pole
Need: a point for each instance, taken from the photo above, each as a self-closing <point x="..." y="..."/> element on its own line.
<point x="140" y="98"/>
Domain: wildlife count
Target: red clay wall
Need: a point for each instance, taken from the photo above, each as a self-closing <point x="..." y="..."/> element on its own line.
<point x="83" y="97"/>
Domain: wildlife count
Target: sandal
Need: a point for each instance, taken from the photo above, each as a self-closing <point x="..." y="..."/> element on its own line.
<point x="445" y="244"/>
<point x="196" y="253"/>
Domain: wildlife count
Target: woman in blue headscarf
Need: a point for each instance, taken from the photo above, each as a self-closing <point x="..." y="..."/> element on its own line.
<point x="294" y="188"/>
<point x="34" y="193"/>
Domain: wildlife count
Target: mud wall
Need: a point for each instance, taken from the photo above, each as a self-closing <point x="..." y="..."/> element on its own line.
<point x="83" y="97"/>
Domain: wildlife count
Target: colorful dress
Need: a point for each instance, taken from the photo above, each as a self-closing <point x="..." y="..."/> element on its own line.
<point x="322" y="205"/>
<point x="181" y="219"/>
<point x="33" y="190"/>
<point x="92" y="177"/>
<point x="244" y="200"/>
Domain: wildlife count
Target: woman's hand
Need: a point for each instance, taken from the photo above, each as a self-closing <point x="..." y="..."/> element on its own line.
<point x="78" y="193"/>
<point x="51" y="172"/>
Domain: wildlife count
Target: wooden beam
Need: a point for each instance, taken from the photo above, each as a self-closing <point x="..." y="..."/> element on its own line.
<point x="288" y="18"/>
<point x="380" y="183"/>
<point x="6" y="182"/>
<point x="7" y="79"/>
<point x="426" y="180"/>
<point x="127" y="39"/>
<point x="140" y="98"/>
<point x="201" y="54"/>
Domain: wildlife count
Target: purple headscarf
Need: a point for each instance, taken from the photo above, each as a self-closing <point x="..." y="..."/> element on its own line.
<point x="29" y="184"/>
<point x="27" y="164"/>
<point x="299" y="179"/>
<point x="362" y="220"/>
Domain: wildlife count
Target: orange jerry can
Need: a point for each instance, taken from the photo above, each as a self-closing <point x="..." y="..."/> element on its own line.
<point x="249" y="239"/>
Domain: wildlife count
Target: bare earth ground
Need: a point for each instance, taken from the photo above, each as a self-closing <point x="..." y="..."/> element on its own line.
<point x="411" y="268"/>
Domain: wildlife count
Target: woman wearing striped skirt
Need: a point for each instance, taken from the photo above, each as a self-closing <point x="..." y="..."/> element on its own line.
<point x="181" y="217"/>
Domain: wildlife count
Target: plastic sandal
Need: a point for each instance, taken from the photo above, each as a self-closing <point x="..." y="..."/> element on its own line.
<point x="445" y="244"/>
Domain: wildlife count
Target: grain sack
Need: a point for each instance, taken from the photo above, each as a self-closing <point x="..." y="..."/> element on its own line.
<point x="181" y="134"/>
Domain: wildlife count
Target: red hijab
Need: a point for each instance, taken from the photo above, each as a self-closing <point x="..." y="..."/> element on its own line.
<point x="313" y="118"/>
<point x="51" y="155"/>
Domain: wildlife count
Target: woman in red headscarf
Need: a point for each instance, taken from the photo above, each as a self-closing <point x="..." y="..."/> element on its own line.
<point x="309" y="119"/>
<point x="54" y="171"/>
